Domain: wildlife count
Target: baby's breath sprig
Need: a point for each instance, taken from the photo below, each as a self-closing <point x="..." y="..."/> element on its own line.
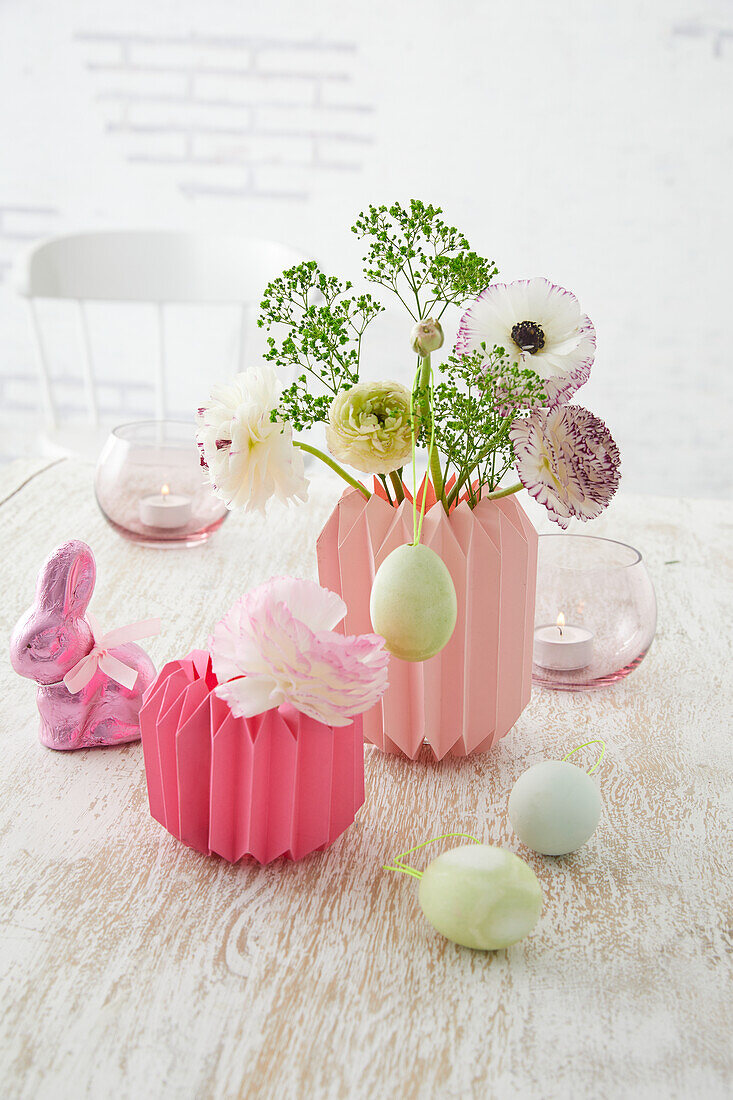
<point x="413" y="253"/>
<point x="323" y="329"/>
<point x="479" y="396"/>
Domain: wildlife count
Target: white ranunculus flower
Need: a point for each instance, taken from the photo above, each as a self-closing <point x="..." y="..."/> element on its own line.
<point x="369" y="427"/>
<point x="249" y="458"/>
<point x="540" y="326"/>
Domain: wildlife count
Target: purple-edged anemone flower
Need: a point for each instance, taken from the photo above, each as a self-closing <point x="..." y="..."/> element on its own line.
<point x="567" y="460"/>
<point x="540" y="326"/>
<point x="278" y="644"/>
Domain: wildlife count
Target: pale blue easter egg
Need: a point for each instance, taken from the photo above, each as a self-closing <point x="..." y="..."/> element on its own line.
<point x="413" y="603"/>
<point x="554" y="807"/>
<point x="480" y="896"/>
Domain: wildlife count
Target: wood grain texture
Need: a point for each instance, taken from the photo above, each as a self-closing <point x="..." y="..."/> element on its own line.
<point x="132" y="966"/>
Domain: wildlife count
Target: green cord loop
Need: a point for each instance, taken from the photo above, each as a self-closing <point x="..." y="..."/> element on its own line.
<point x="407" y="870"/>
<point x="597" y="741"/>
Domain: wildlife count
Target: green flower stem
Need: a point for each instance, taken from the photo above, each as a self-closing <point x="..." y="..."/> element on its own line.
<point x="495" y="439"/>
<point x="436" y="474"/>
<point x="383" y="479"/>
<point x="399" y="491"/>
<point x="504" y="492"/>
<point x="334" y="466"/>
<point x="452" y="495"/>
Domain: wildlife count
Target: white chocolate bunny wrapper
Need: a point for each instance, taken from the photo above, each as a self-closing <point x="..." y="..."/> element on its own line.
<point x="107" y="676"/>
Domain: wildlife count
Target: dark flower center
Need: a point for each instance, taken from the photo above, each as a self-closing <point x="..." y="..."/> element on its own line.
<point x="528" y="336"/>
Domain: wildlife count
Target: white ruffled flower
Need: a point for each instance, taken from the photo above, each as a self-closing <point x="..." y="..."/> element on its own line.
<point x="540" y="326"/>
<point x="279" y="644"/>
<point x="249" y="457"/>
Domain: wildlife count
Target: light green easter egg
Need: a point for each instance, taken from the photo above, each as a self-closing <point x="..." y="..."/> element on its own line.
<point x="554" y="807"/>
<point x="481" y="897"/>
<point x="413" y="603"/>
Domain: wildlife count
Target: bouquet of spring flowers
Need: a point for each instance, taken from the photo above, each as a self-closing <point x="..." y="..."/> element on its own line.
<point x="497" y="401"/>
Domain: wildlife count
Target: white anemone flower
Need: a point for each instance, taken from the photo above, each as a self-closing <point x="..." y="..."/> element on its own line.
<point x="249" y="457"/>
<point x="540" y="326"/>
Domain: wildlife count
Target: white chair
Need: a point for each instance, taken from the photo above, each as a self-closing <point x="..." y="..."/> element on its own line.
<point x="158" y="267"/>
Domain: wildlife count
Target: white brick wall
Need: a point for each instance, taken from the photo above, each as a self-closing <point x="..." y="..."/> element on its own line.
<point x="20" y="225"/>
<point x="588" y="143"/>
<point x="253" y="106"/>
<point x="716" y="32"/>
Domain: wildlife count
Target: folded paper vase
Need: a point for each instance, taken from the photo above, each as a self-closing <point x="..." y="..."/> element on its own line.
<point x="278" y="784"/>
<point x="472" y="692"/>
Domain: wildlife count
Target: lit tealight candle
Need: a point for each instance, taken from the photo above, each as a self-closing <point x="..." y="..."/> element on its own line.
<point x="165" y="509"/>
<point x="562" y="647"/>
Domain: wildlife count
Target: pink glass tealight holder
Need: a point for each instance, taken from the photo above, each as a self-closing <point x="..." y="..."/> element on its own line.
<point x="278" y="784"/>
<point x="595" y="615"/>
<point x="150" y="486"/>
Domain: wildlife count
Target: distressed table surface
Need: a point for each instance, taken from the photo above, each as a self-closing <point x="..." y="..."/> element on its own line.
<point x="133" y="966"/>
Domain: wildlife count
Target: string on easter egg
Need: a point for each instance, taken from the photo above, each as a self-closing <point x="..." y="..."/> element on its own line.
<point x="398" y="865"/>
<point x="417" y="524"/>
<point x="597" y="741"/>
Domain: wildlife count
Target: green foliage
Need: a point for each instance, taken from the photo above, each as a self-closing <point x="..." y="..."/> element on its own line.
<point x="428" y="264"/>
<point x="320" y="328"/>
<point x="477" y="397"/>
<point x="316" y="327"/>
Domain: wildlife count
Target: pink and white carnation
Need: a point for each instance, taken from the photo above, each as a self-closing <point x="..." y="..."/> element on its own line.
<point x="567" y="459"/>
<point x="540" y="326"/>
<point x="278" y="644"/>
<point x="248" y="456"/>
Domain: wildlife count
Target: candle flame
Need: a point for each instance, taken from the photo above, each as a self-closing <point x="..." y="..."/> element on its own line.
<point x="560" y="622"/>
<point x="165" y="490"/>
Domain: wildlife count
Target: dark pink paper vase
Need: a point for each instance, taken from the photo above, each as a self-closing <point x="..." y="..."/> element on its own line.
<point x="278" y="784"/>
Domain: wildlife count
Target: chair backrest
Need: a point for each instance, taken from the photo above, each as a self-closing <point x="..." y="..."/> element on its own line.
<point x="158" y="267"/>
<point x="161" y="267"/>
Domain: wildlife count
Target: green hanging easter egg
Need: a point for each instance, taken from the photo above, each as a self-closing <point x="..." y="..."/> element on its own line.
<point x="413" y="603"/>
<point x="480" y="896"/>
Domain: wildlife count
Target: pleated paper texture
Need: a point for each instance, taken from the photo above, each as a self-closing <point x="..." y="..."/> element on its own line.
<point x="278" y="784"/>
<point x="471" y="694"/>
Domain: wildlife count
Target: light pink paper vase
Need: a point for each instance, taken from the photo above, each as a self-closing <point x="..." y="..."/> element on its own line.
<point x="471" y="694"/>
<point x="279" y="784"/>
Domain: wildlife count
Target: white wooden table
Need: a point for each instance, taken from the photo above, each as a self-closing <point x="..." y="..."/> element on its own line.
<point x="132" y="966"/>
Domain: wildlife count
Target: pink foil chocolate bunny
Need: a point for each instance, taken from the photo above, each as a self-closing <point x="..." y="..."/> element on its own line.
<point x="55" y="639"/>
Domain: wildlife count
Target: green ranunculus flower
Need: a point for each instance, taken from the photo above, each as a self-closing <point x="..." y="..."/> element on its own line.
<point x="369" y="427"/>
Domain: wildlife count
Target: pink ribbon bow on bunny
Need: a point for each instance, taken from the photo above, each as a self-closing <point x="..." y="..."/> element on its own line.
<point x="100" y="658"/>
